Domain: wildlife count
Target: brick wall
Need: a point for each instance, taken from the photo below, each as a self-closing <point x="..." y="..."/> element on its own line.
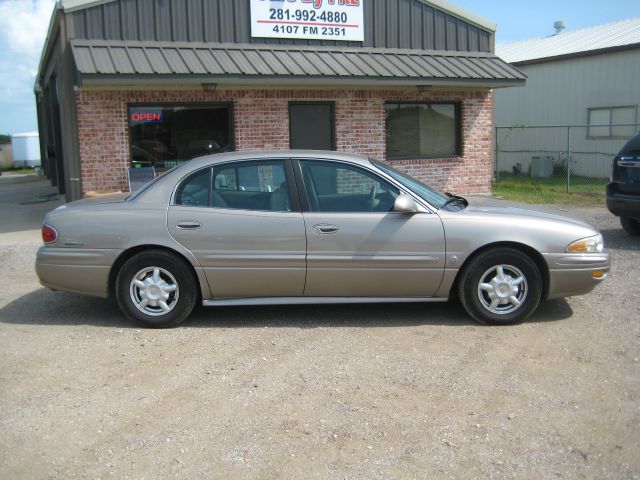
<point x="261" y="121"/>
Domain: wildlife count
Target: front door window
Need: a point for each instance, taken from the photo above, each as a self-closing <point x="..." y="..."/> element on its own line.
<point x="333" y="187"/>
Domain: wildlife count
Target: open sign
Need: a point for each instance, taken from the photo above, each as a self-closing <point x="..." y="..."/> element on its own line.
<point x="146" y="116"/>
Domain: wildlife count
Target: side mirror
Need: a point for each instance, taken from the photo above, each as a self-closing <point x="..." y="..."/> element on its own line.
<point x="405" y="204"/>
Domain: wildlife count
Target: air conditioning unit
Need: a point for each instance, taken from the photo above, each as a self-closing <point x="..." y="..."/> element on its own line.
<point x="542" y="166"/>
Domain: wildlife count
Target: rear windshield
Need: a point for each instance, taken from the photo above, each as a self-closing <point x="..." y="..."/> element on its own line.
<point x="632" y="147"/>
<point x="146" y="187"/>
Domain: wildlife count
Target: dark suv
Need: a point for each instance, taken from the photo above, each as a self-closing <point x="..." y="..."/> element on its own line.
<point x="623" y="193"/>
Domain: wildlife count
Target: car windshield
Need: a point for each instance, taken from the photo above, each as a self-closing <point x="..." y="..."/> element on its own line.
<point x="435" y="198"/>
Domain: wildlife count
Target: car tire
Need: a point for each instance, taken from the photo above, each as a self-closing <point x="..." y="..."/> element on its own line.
<point x="630" y="225"/>
<point x="156" y="289"/>
<point x="500" y="286"/>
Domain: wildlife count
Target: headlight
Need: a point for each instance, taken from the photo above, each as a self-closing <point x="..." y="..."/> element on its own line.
<point x="593" y="244"/>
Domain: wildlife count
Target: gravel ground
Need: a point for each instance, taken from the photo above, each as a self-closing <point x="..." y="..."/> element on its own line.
<point x="365" y="391"/>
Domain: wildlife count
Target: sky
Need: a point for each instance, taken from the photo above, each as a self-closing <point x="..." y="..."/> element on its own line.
<point x="24" y="24"/>
<point x="23" y="28"/>
<point x="522" y="20"/>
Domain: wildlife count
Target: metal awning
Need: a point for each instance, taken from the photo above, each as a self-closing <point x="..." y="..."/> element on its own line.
<point x="102" y="62"/>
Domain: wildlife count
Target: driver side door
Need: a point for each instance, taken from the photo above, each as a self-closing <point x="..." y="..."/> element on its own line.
<point x="357" y="245"/>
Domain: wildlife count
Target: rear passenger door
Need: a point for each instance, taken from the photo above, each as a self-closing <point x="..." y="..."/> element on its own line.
<point x="243" y="223"/>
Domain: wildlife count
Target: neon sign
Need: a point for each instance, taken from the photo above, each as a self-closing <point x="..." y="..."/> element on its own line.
<point x="146" y="116"/>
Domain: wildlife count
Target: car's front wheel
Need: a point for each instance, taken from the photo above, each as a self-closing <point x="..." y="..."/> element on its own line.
<point x="500" y="286"/>
<point x="156" y="288"/>
<point x="630" y="225"/>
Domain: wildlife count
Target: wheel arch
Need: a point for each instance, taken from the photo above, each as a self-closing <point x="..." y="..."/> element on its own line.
<point x="130" y="252"/>
<point x="531" y="252"/>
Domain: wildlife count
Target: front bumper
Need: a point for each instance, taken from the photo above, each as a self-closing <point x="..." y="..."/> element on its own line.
<point x="622" y="204"/>
<point x="76" y="270"/>
<point x="573" y="274"/>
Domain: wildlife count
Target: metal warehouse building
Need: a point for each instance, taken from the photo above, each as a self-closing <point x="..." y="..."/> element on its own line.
<point x="580" y="103"/>
<point x="129" y="83"/>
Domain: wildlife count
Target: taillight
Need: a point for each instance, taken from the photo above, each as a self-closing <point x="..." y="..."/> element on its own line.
<point x="49" y="234"/>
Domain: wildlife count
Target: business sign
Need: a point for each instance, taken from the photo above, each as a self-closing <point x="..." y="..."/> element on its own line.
<point x="145" y="115"/>
<point x="308" y="19"/>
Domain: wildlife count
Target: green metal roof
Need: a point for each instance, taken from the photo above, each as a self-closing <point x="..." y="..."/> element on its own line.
<point x="125" y="62"/>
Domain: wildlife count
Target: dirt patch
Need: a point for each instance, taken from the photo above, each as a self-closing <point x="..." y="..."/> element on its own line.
<point x="360" y="391"/>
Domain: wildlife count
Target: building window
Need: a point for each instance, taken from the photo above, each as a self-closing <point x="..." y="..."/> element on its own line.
<point x="611" y="122"/>
<point x="163" y="136"/>
<point x="311" y="125"/>
<point x="422" y="130"/>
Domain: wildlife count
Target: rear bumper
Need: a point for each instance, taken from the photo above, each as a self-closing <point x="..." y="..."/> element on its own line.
<point x="76" y="270"/>
<point x="576" y="274"/>
<point x="622" y="204"/>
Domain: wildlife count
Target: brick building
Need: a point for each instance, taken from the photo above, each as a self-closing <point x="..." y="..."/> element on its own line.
<point x="126" y="83"/>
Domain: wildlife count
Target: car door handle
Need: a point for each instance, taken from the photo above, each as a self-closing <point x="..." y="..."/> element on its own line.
<point x="191" y="225"/>
<point x="324" y="228"/>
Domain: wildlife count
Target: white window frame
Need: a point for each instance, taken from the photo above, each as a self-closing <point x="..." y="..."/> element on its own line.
<point x="609" y="125"/>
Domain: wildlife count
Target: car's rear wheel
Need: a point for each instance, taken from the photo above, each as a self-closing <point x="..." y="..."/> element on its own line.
<point x="500" y="286"/>
<point x="156" y="288"/>
<point x="630" y="225"/>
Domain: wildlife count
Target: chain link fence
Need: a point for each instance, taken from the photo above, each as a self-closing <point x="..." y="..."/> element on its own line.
<point x="569" y="158"/>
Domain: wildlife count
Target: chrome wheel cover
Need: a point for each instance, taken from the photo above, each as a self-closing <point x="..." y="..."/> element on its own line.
<point x="502" y="289"/>
<point x="154" y="291"/>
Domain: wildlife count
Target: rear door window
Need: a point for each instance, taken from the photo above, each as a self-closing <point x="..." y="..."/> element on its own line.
<point x="251" y="186"/>
<point x="242" y="185"/>
<point x="194" y="190"/>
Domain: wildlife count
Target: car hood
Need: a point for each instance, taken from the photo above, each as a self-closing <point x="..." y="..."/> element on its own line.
<point x="491" y="207"/>
<point x="487" y="221"/>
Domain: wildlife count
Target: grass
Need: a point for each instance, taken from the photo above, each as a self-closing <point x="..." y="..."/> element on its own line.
<point x="10" y="169"/>
<point x="522" y="188"/>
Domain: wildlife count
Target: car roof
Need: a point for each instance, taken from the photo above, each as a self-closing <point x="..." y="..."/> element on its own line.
<point x="249" y="155"/>
<point x="160" y="190"/>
